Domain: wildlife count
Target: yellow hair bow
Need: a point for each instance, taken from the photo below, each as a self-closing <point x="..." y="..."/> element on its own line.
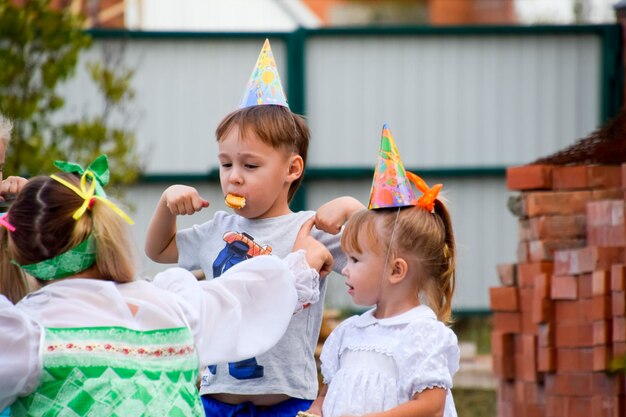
<point x="87" y="192"/>
<point x="427" y="200"/>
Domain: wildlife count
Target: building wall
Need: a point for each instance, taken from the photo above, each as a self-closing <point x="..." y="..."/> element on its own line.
<point x="461" y="106"/>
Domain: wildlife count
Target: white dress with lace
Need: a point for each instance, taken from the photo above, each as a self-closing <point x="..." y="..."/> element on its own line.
<point x="373" y="365"/>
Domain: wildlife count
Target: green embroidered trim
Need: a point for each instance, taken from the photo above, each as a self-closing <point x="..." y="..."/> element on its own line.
<point x="99" y="382"/>
<point x="66" y="264"/>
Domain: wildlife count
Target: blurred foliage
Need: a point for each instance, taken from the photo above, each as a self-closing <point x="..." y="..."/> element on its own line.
<point x="474" y="402"/>
<point x="39" y="50"/>
<point x="474" y="328"/>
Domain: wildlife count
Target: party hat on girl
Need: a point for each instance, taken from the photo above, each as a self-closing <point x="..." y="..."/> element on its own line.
<point x="264" y="87"/>
<point x="391" y="187"/>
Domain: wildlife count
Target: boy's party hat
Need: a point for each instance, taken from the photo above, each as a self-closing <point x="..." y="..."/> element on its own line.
<point x="264" y="87"/>
<point x="390" y="187"/>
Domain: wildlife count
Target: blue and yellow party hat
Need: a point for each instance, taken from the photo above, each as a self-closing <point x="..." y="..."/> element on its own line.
<point x="264" y="87"/>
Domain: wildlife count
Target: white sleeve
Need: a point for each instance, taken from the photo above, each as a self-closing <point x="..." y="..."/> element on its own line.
<point x="20" y="366"/>
<point x="244" y="312"/>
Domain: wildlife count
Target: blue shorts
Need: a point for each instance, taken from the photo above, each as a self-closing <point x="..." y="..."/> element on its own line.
<point x="287" y="408"/>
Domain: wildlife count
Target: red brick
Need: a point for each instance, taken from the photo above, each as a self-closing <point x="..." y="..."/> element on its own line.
<point x="619" y="329"/>
<point x="526" y="360"/>
<point x="600" y="282"/>
<point x="528" y="392"/>
<point x="607" y="384"/>
<point x="607" y="406"/>
<point x="573" y="312"/>
<point x="556" y="406"/>
<point x="605" y="213"/>
<point x="506" y="391"/>
<point x="588" y="259"/>
<point x="607" y="194"/>
<point x="545" y="335"/>
<point x="618" y="277"/>
<point x="546" y="359"/>
<point x="503" y="367"/>
<point x="542" y="310"/>
<point x="570" y="178"/>
<point x="564" y="288"/>
<point x="579" y="406"/>
<point x="604" y="176"/>
<point x="574" y="335"/>
<point x="527" y="272"/>
<point x="507" y="274"/>
<point x="526" y="299"/>
<point x="624" y="176"/>
<point x="542" y="286"/>
<point x="608" y="236"/>
<point x="523" y="252"/>
<point x="602" y="331"/>
<point x="585" y="289"/>
<point x="618" y="303"/>
<point x="529" y="177"/>
<point x="504" y="298"/>
<point x="601" y="307"/>
<point x="601" y="357"/>
<point x="558" y="227"/>
<point x="619" y="348"/>
<point x="529" y="326"/>
<point x="574" y="384"/>
<point x="543" y="250"/>
<point x="507" y="322"/>
<point x="502" y="344"/>
<point x="523" y="228"/>
<point x="555" y="203"/>
<point x="574" y="360"/>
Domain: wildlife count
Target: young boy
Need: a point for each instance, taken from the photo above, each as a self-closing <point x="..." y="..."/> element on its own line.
<point x="262" y="153"/>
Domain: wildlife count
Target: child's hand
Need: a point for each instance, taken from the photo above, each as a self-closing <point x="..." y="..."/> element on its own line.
<point x="317" y="255"/>
<point x="11" y="187"/>
<point x="331" y="216"/>
<point x="182" y="199"/>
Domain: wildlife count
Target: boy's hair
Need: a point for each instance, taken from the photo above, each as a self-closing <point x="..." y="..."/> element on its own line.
<point x="425" y="240"/>
<point x="6" y="126"/>
<point x="44" y="228"/>
<point x="276" y="126"/>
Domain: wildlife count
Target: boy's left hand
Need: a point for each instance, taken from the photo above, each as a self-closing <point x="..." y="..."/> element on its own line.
<point x="331" y="216"/>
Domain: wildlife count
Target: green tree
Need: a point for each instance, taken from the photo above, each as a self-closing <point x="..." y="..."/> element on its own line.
<point x="39" y="50"/>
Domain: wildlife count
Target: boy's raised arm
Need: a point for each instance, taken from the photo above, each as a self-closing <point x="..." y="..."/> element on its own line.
<point x="161" y="236"/>
<point x="331" y="216"/>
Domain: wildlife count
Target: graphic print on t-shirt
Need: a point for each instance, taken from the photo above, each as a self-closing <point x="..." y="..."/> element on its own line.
<point x="238" y="248"/>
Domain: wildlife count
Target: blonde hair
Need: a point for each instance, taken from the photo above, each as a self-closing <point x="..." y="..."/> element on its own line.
<point x="6" y="127"/>
<point x="425" y="240"/>
<point x="275" y="126"/>
<point x="44" y="228"/>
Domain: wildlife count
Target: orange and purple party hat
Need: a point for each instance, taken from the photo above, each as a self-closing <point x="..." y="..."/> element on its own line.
<point x="264" y="86"/>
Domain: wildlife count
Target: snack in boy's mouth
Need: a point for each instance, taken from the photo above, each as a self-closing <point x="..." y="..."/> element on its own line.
<point x="235" y="201"/>
<point x="305" y="414"/>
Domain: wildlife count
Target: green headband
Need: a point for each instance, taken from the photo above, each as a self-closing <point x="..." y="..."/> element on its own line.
<point x="66" y="264"/>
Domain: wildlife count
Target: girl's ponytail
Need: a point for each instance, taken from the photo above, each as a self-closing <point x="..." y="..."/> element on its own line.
<point x="447" y="279"/>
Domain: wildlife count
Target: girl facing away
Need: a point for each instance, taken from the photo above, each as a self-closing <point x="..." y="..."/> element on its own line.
<point x="398" y="358"/>
<point x="95" y="341"/>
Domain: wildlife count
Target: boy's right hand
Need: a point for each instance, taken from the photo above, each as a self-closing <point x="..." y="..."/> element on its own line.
<point x="317" y="255"/>
<point x="182" y="199"/>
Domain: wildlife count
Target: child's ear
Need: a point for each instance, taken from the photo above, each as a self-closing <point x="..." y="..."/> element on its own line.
<point x="399" y="269"/>
<point x="296" y="168"/>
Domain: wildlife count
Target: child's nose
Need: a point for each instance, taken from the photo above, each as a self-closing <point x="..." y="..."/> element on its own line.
<point x="235" y="176"/>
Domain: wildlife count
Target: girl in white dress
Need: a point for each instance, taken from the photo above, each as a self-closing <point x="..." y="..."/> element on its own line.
<point x="95" y="341"/>
<point x="398" y="358"/>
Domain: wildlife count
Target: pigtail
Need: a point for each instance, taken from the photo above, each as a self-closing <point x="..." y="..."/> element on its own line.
<point x="447" y="279"/>
<point x="13" y="283"/>
<point x="114" y="256"/>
